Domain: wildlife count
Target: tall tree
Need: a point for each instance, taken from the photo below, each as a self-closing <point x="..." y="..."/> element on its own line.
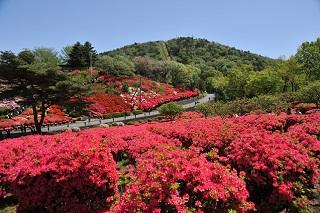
<point x="264" y="82"/>
<point x="81" y="56"/>
<point x="90" y="53"/>
<point x="309" y="55"/>
<point x="40" y="83"/>
<point x="65" y="54"/>
<point x="291" y="73"/>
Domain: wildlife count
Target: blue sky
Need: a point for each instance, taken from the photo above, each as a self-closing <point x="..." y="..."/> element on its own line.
<point x="268" y="27"/>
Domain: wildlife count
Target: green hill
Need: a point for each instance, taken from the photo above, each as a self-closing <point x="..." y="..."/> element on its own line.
<point x="188" y="50"/>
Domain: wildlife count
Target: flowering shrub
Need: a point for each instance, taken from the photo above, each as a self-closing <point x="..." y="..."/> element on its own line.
<point x="102" y="103"/>
<point x="168" y="179"/>
<point x="151" y="95"/>
<point x="9" y="104"/>
<point x="60" y="174"/>
<point x="55" y="115"/>
<point x="267" y="162"/>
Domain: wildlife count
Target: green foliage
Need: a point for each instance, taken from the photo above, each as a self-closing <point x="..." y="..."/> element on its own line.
<point x="259" y="104"/>
<point x="116" y="66"/>
<point x="163" y="51"/>
<point x="45" y="55"/>
<point x="163" y="61"/>
<point x="188" y="50"/>
<point x="311" y="93"/>
<point x="116" y="115"/>
<point x="80" y="55"/>
<point x="291" y="72"/>
<point x="170" y="109"/>
<point x="177" y="74"/>
<point x="309" y="55"/>
<point x="137" y="112"/>
<point x="218" y="86"/>
<point x="264" y="82"/>
<point x="4" y="112"/>
<point x="40" y="82"/>
<point x="125" y="88"/>
<point x="65" y="54"/>
<point x="152" y="68"/>
<point x="26" y="56"/>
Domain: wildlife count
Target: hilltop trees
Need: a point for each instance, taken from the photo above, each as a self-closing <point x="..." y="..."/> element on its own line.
<point x="36" y="77"/>
<point x="81" y="55"/>
<point x="116" y="66"/>
<point x="188" y="50"/>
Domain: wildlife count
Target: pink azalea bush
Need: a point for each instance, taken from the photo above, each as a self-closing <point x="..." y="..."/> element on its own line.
<point x="168" y="179"/>
<point x="60" y="174"/>
<point x="246" y="163"/>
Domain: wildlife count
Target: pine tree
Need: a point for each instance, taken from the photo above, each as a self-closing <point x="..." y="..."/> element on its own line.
<point x="81" y="55"/>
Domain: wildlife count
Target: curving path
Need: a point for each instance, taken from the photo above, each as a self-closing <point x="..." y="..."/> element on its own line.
<point x="186" y="104"/>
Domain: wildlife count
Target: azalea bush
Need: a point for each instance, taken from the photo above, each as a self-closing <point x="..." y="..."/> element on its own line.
<point x="151" y="95"/>
<point x="262" y="162"/>
<point x="60" y="174"/>
<point x="168" y="179"/>
<point x="55" y="115"/>
<point x="102" y="103"/>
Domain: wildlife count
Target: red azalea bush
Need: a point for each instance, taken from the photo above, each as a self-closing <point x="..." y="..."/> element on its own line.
<point x="55" y="115"/>
<point x="266" y="162"/>
<point x="152" y="94"/>
<point x="60" y="174"/>
<point x="102" y="103"/>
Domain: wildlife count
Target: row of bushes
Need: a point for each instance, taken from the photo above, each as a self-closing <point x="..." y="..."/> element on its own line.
<point x="259" y="104"/>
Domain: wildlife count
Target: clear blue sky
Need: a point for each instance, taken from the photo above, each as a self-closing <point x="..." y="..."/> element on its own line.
<point x="268" y="27"/>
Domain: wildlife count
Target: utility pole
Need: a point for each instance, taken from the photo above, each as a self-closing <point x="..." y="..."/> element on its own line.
<point x="90" y="54"/>
<point x="140" y="89"/>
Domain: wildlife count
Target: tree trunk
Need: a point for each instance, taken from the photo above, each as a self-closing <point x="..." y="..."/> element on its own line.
<point x="35" y="118"/>
<point x="37" y="123"/>
<point x="43" y="114"/>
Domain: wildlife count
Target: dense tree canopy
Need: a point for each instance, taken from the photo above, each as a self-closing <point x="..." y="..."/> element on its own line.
<point x="188" y="50"/>
<point x="226" y="71"/>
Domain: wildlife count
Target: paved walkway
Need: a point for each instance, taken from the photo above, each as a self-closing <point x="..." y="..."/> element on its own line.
<point x="186" y="104"/>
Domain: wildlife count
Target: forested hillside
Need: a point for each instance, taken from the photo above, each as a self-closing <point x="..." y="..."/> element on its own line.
<point x="188" y="50"/>
<point x="208" y="66"/>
